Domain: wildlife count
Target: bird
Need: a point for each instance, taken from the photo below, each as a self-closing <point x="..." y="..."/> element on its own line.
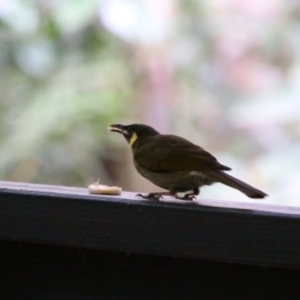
<point x="176" y="164"/>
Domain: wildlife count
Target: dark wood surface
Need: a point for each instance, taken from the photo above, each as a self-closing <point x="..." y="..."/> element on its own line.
<point x="43" y="272"/>
<point x="250" y="233"/>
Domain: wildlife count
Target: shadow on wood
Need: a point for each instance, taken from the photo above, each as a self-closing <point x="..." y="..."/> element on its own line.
<point x="30" y="271"/>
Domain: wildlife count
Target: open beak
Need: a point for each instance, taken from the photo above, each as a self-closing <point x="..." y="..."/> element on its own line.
<point x="118" y="128"/>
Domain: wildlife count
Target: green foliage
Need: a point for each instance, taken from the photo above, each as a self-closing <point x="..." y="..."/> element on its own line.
<point x="62" y="83"/>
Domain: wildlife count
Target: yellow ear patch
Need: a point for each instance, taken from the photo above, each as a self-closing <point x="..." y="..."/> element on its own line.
<point x="133" y="138"/>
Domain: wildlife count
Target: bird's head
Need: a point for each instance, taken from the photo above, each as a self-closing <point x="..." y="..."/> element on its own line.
<point x="133" y="132"/>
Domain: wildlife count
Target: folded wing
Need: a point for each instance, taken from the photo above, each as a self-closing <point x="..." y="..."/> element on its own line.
<point x="175" y="154"/>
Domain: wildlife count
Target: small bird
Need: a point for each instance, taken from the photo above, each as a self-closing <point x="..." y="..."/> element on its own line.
<point x="176" y="164"/>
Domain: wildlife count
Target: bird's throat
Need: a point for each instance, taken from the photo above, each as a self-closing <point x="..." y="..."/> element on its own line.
<point x="132" y="140"/>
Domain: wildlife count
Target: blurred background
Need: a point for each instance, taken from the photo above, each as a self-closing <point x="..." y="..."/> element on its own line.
<point x="224" y="74"/>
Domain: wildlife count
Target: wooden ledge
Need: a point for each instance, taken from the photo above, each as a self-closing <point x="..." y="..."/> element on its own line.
<point x="252" y="233"/>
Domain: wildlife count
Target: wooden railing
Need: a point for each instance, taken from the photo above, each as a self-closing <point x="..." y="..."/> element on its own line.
<point x="201" y="235"/>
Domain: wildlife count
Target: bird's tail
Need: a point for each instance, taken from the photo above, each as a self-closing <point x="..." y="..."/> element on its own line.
<point x="235" y="183"/>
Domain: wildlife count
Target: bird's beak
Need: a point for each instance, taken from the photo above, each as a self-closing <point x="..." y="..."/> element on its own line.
<point x="118" y="128"/>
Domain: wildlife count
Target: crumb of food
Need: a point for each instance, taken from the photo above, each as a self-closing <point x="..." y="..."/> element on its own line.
<point x="97" y="188"/>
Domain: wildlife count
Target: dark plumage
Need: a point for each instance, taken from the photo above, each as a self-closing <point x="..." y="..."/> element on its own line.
<point x="175" y="164"/>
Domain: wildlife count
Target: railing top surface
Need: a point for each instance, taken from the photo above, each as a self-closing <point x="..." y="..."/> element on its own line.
<point x="79" y="192"/>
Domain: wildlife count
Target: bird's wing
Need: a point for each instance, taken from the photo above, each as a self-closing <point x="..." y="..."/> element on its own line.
<point x="166" y="153"/>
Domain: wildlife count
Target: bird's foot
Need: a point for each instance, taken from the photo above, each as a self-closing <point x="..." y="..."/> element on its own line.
<point x="187" y="197"/>
<point x="190" y="196"/>
<point x="151" y="196"/>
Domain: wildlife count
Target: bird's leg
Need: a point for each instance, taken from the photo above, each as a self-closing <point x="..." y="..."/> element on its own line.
<point x="189" y="196"/>
<point x="154" y="196"/>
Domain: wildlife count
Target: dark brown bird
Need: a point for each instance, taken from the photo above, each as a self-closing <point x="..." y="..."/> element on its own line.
<point x="175" y="164"/>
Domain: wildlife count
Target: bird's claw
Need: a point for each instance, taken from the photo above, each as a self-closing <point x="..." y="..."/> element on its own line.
<point x="187" y="197"/>
<point x="151" y="196"/>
